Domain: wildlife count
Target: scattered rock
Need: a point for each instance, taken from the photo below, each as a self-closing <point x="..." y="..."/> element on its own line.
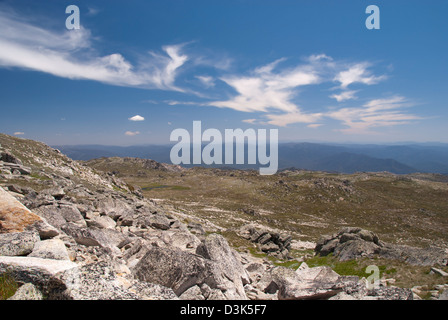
<point x="439" y="272"/>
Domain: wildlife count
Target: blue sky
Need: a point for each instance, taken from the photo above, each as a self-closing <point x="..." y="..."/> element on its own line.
<point x="136" y="70"/>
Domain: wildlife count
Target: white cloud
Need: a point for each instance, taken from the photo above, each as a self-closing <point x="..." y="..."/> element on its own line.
<point x="285" y="119"/>
<point x="265" y="90"/>
<point x="345" y="95"/>
<point x="19" y="133"/>
<point x="357" y="73"/>
<point x="273" y="92"/>
<point x="69" y="54"/>
<point x="375" y="113"/>
<point x="251" y="121"/>
<point x="132" y="133"/>
<point x="207" y="81"/>
<point x="319" y="57"/>
<point x="137" y="118"/>
<point x="187" y="103"/>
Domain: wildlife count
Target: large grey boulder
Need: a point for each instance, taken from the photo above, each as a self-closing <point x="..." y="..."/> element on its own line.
<point x="102" y="222"/>
<point x="107" y="238"/>
<point x="157" y="221"/>
<point x="98" y="281"/>
<point x="304" y="284"/>
<point x="54" y="278"/>
<point x="59" y="215"/>
<point x="353" y="249"/>
<point x="55" y="192"/>
<point x="229" y="273"/>
<point x="172" y="268"/>
<point x="193" y="293"/>
<point x="50" y="249"/>
<point x="45" y="230"/>
<point x="113" y="208"/>
<point x="18" y="243"/>
<point x="215" y="269"/>
<point x="71" y="214"/>
<point x="183" y="240"/>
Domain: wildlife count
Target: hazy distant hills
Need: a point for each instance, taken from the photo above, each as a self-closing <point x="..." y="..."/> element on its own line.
<point x="346" y="158"/>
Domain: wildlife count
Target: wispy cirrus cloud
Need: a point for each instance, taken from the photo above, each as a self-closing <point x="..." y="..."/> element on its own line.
<point x="354" y="73"/>
<point x="284" y="119"/>
<point x="273" y="93"/>
<point x="345" y="95"/>
<point x="70" y="54"/>
<point x="375" y="113"/>
<point x="265" y="90"/>
<point x="206" y="81"/>
<point x="357" y="73"/>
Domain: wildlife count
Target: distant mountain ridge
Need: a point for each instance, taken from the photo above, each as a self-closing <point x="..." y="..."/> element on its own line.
<point x="344" y="158"/>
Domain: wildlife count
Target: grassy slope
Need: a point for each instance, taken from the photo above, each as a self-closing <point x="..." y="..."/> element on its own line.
<point x="401" y="209"/>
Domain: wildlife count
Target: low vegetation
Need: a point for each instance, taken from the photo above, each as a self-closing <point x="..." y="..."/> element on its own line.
<point x="8" y="286"/>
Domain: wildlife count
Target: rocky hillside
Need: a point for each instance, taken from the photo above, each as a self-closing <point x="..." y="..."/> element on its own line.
<point x="68" y="231"/>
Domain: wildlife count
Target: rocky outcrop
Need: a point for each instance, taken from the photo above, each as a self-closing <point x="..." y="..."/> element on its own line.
<point x="10" y="164"/>
<point x="270" y="242"/>
<point x="214" y="270"/>
<point x="229" y="274"/>
<point x="353" y="243"/>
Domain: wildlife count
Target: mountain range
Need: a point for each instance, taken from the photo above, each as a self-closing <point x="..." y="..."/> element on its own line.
<point x="342" y="158"/>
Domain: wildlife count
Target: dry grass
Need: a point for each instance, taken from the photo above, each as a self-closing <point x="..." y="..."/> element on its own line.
<point x="8" y="286"/>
